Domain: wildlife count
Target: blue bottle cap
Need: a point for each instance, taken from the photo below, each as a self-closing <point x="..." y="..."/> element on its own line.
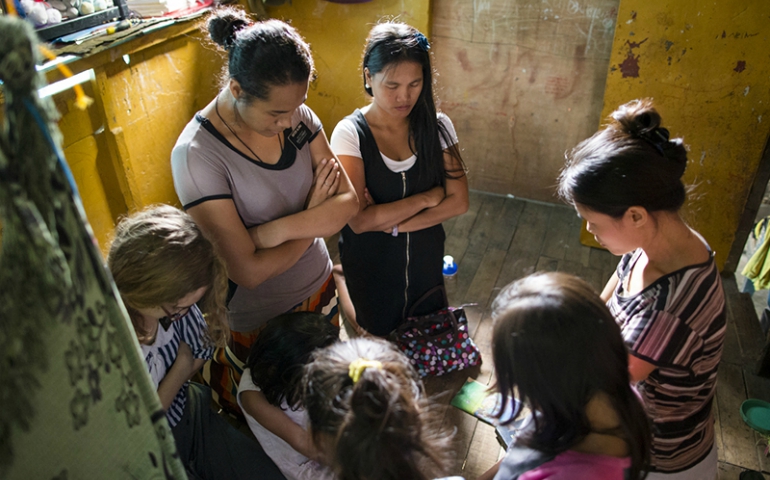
<point x="450" y="267"/>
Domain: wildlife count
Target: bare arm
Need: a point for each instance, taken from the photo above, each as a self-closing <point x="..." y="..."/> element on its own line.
<point x="639" y="369"/>
<point x="320" y="220"/>
<point x="246" y="265"/>
<point x="609" y="289"/>
<point x="455" y="201"/>
<point x="378" y="217"/>
<point x="184" y="367"/>
<point x="275" y="420"/>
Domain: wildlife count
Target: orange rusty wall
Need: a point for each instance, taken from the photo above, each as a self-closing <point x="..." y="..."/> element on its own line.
<point x="523" y="81"/>
<point x="336" y="34"/>
<point x="707" y="65"/>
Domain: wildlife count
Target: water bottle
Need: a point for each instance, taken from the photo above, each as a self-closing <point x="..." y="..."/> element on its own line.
<point x="450" y="270"/>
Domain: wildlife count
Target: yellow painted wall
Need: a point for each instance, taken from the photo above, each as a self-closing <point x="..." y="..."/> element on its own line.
<point x="707" y="65"/>
<point x="336" y="33"/>
<point x="94" y="174"/>
<point x="120" y="148"/>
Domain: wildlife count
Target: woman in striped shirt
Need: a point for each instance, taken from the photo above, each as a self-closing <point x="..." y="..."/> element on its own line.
<point x="173" y="286"/>
<point x="666" y="294"/>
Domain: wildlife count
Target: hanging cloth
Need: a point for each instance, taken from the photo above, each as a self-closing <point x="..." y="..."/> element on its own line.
<point x="758" y="268"/>
<point x="77" y="401"/>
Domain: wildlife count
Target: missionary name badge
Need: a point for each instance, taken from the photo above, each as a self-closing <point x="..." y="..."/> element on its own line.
<point x="300" y="135"/>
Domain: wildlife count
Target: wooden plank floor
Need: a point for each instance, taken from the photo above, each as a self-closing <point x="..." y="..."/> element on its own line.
<point x="498" y="241"/>
<point x="501" y="239"/>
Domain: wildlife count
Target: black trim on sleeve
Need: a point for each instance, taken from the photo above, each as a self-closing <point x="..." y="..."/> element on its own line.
<point x="312" y="137"/>
<point x="231" y="288"/>
<point x="205" y="199"/>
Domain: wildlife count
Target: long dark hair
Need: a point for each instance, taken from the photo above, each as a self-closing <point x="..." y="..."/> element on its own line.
<point x="391" y="43"/>
<point x="631" y="162"/>
<point x="281" y="351"/>
<point x="380" y="427"/>
<point x="260" y="54"/>
<point x="557" y="345"/>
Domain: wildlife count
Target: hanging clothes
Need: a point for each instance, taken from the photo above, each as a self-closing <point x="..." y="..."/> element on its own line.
<point x="77" y="399"/>
<point x="758" y="268"/>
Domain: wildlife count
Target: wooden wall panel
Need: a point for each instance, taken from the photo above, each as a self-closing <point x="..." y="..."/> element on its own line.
<point x="523" y="81"/>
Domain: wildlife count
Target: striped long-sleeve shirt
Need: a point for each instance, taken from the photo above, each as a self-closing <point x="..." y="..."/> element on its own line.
<point x="677" y="324"/>
<point x="190" y="329"/>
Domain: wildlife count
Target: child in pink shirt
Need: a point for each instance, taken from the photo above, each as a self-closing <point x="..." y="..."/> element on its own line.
<point x="557" y="348"/>
<point x="572" y="465"/>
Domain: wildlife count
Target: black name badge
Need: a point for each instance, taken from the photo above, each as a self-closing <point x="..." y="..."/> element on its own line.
<point x="300" y="135"/>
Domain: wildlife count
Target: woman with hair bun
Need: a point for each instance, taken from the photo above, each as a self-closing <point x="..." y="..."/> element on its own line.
<point x="403" y="159"/>
<point x="666" y="294"/>
<point x="255" y="171"/>
<point x="368" y="413"/>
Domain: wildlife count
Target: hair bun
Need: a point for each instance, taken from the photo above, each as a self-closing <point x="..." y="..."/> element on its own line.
<point x="637" y="117"/>
<point x="224" y="24"/>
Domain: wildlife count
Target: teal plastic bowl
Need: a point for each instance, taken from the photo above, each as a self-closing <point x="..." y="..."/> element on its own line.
<point x="756" y="413"/>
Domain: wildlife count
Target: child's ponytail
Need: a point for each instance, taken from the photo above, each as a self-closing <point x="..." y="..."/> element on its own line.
<point x="382" y="423"/>
<point x="368" y="413"/>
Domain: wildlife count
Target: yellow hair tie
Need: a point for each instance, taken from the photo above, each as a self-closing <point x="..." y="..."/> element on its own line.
<point x="357" y="367"/>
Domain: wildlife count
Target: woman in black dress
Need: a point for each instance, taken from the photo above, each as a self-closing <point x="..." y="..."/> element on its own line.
<point x="403" y="159"/>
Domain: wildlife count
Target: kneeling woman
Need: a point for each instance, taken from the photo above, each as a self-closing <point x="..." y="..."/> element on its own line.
<point x="174" y="286"/>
